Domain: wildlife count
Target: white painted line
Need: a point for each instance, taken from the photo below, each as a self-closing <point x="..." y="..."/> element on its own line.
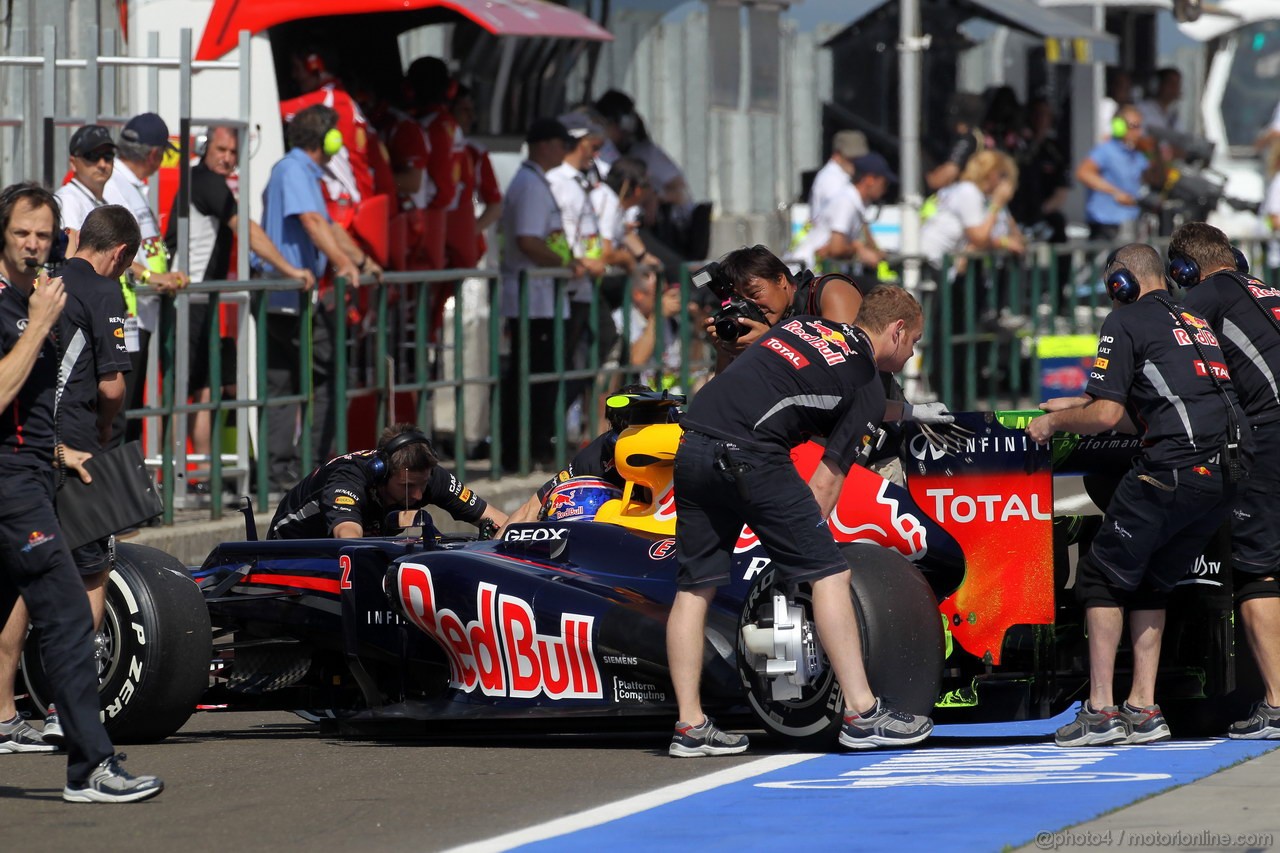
<point x="634" y="805"/>
<point x="1072" y="503"/>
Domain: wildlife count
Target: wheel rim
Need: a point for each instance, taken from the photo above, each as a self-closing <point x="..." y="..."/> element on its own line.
<point x="106" y="645"/>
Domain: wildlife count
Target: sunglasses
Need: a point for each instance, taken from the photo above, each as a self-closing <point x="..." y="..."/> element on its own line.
<point x="101" y="154"/>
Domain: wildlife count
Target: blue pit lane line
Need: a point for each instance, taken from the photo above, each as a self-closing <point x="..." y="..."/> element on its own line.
<point x="968" y="788"/>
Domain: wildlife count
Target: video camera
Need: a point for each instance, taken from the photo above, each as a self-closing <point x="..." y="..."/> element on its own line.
<point x="1195" y="193"/>
<point x="732" y="306"/>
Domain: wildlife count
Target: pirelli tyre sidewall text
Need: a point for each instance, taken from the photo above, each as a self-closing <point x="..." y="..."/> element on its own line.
<point x="154" y="648"/>
<point x="902" y="646"/>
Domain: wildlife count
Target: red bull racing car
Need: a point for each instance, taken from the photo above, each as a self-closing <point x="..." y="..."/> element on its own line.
<point x="961" y="579"/>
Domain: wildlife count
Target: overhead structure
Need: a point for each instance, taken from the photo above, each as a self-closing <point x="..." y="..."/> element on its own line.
<point x="533" y="18"/>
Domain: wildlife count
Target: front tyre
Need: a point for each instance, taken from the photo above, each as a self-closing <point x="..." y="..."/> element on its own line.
<point x="152" y="652"/>
<point x="902" y="648"/>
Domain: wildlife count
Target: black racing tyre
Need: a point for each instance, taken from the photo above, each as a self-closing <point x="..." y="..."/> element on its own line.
<point x="153" y="650"/>
<point x="902" y="648"/>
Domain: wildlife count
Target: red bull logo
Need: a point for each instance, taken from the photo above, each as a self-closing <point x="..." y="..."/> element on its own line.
<point x="831" y="336"/>
<point x="828" y="349"/>
<point x="882" y="522"/>
<point x="1193" y="321"/>
<point x="500" y="652"/>
<point x="1202" y="471"/>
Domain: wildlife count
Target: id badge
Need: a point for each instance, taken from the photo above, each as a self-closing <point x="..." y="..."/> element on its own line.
<point x="131" y="339"/>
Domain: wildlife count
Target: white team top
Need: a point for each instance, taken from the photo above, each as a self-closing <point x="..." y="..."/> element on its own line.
<point x="960" y="206"/>
<point x="528" y="210"/>
<point x="75" y="203"/>
<point x="125" y="188"/>
<point x="844" y="213"/>
<point x="572" y="191"/>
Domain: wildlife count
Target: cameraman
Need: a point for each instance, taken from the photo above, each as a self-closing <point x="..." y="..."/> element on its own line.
<point x="764" y="281"/>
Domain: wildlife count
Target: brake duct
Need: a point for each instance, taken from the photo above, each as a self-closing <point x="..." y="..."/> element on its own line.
<point x="785" y="652"/>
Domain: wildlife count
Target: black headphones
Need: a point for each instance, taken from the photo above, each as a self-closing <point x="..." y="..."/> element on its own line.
<point x="380" y="467"/>
<point x="1122" y="285"/>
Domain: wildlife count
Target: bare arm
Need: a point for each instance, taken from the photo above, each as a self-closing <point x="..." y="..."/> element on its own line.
<point x="110" y="399"/>
<point x="841" y="302"/>
<point x="528" y="511"/>
<point x="1098" y="415"/>
<point x="265" y="249"/>
<point x="1088" y="174"/>
<point x="348" y="530"/>
<point x="491" y="214"/>
<point x="825" y="484"/>
<point x="321" y="232"/>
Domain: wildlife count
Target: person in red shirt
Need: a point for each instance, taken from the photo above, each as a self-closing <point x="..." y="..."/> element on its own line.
<point x="479" y="181"/>
<point x="352" y="171"/>
<point x="429" y="84"/>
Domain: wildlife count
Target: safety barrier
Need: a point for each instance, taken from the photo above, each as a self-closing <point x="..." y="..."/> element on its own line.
<point x="389" y="344"/>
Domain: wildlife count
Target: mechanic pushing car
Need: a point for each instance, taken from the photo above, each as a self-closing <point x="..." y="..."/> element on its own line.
<point x="1165" y="362"/>
<point x="805" y="377"/>
<point x="1241" y="310"/>
<point x="352" y="495"/>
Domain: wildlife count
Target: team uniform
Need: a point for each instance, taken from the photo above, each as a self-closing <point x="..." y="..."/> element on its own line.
<point x="34" y="559"/>
<point x="805" y="378"/>
<point x="1170" y="503"/>
<point x="345" y="489"/>
<point x="1237" y="307"/>
<point x="92" y="341"/>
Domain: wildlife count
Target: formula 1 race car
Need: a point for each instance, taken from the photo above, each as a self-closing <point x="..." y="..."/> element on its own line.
<point x="960" y="581"/>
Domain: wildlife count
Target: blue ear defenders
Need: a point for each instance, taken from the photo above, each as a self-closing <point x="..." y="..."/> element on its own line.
<point x="1122" y="285"/>
<point x="1183" y="271"/>
<point x="380" y="467"/>
<point x="1242" y="262"/>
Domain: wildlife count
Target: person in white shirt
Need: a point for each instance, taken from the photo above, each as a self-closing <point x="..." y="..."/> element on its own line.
<point x="139" y="153"/>
<point x="972" y="212"/>
<point x="836" y="175"/>
<point x="533" y="237"/>
<point x="841" y="231"/>
<point x="92" y="158"/>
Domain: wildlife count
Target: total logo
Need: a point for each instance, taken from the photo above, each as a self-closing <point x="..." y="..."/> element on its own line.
<point x="962" y="509"/>
<point x="500" y="652"/>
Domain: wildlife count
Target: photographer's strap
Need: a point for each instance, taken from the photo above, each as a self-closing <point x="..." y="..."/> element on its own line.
<point x="813" y="301"/>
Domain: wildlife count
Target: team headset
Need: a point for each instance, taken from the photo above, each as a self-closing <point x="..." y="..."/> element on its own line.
<point x="380" y="467"/>
<point x="1119" y="128"/>
<point x="333" y="142"/>
<point x="1123" y="287"/>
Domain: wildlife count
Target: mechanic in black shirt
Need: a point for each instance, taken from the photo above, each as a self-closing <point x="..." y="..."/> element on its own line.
<point x="806" y="377"/>
<point x="1152" y="356"/>
<point x="1242" y="312"/>
<point x="94" y="361"/>
<point x="351" y="496"/>
<point x="34" y="560"/>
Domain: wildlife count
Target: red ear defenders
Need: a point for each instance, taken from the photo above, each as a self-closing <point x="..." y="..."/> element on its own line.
<point x="1122" y="285"/>
<point x="380" y="467"/>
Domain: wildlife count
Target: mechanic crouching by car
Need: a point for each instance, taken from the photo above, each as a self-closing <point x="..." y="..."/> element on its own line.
<point x="352" y="495"/>
<point x="1164" y="362"/>
<point x="805" y="377"/>
<point x="1241" y="310"/>
<point x="34" y="559"/>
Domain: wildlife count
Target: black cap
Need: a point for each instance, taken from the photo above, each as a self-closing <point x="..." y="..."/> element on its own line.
<point x="873" y="164"/>
<point x="546" y="128"/>
<point x="91" y="137"/>
<point x="147" y="129"/>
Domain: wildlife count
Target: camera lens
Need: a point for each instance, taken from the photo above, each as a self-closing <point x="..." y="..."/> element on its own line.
<point x="727" y="329"/>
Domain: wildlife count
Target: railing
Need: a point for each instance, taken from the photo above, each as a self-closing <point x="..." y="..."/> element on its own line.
<point x="396" y="350"/>
<point x="985" y="314"/>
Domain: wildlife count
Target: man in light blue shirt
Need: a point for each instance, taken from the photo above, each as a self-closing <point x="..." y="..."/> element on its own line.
<point x="1113" y="175"/>
<point x="295" y="217"/>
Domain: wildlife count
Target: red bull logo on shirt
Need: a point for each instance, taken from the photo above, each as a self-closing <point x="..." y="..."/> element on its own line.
<point x="827" y="348"/>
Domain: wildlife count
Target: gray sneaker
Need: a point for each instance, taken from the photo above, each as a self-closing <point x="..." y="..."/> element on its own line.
<point x="1146" y="725"/>
<point x="1094" y="728"/>
<point x="1263" y="724"/>
<point x="17" y="736"/>
<point x="883" y="726"/>
<point x="697" y="741"/>
<point x="110" y="783"/>
<point x="52" y="732"/>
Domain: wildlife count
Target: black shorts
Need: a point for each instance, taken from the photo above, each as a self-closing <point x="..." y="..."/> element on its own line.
<point x="768" y="495"/>
<point x="1255" y="515"/>
<point x="92" y="558"/>
<point x="1156" y="533"/>
<point x="198" y="360"/>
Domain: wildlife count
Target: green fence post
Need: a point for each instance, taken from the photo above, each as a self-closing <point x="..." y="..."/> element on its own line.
<point x="946" y="355"/>
<point x="168" y="323"/>
<point x="459" y="388"/>
<point x="970" y="297"/>
<point x="522" y="375"/>
<point x="307" y="357"/>
<point x="558" y="363"/>
<point x="380" y="354"/>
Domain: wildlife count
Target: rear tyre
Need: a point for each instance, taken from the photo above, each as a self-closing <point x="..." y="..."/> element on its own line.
<point x="902" y="648"/>
<point x="153" y="650"/>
